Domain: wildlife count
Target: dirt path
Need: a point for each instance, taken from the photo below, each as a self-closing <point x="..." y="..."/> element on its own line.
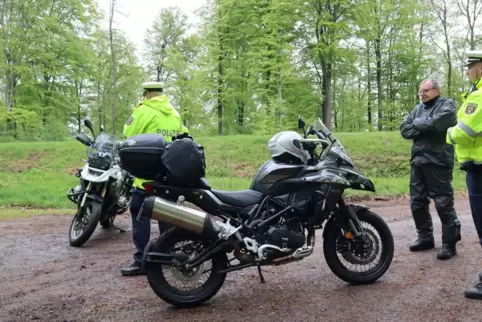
<point x="42" y="278"/>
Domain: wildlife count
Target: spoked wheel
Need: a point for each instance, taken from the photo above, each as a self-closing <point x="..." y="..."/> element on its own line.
<point x="363" y="259"/>
<point x="181" y="286"/>
<point x="84" y="223"/>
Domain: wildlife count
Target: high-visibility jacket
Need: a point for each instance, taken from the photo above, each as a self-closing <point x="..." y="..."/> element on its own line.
<point x="155" y="115"/>
<point x="466" y="136"/>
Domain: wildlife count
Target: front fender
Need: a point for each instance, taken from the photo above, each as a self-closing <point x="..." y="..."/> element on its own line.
<point x="358" y="181"/>
<point x="95" y="197"/>
<point x="98" y="176"/>
<point x="352" y="207"/>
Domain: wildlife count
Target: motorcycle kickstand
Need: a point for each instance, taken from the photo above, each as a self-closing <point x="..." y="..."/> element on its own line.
<point x="261" y="275"/>
<point x="119" y="229"/>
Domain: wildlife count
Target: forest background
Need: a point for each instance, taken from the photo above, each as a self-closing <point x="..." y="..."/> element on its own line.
<point x="240" y="72"/>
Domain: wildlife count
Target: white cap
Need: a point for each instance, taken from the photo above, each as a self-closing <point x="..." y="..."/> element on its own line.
<point x="473" y="56"/>
<point x="152" y="85"/>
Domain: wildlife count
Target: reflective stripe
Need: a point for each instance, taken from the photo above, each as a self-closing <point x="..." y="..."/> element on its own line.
<point x="450" y="135"/>
<point x="467" y="130"/>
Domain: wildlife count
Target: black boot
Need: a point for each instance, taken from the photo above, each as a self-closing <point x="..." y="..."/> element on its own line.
<point x="459" y="228"/>
<point x="475" y="292"/>
<point x="423" y="224"/>
<point x="450" y="236"/>
<point x="447" y="252"/>
<point x="422" y="244"/>
<point x="133" y="270"/>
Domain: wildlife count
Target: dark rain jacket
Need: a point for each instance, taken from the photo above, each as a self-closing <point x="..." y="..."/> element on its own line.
<point x="427" y="126"/>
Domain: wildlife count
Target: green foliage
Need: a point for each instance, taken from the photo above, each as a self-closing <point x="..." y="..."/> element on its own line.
<point x="55" y="69"/>
<point x="39" y="174"/>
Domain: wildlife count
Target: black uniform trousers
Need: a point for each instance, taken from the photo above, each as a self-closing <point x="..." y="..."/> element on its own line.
<point x="435" y="182"/>
<point x="474" y="188"/>
<point x="141" y="230"/>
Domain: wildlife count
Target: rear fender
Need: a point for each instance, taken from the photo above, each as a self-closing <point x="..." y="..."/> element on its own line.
<point x="352" y="207"/>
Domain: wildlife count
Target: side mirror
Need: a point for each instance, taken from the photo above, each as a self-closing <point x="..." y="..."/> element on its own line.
<point x="301" y="123"/>
<point x="88" y="124"/>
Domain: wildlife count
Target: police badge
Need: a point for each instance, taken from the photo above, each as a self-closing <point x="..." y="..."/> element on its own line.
<point x="470" y="108"/>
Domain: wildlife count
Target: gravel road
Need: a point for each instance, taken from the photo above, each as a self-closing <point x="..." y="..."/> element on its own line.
<point x="43" y="278"/>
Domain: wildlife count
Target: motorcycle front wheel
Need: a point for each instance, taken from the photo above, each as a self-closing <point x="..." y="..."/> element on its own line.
<point x="180" y="286"/>
<point x="84" y="223"/>
<point x="363" y="259"/>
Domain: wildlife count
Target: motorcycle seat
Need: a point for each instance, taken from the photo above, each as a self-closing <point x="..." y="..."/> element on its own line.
<point x="240" y="198"/>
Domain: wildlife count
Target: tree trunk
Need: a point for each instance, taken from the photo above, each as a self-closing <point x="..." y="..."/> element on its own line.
<point x="327" y="106"/>
<point x="369" y="86"/>
<point x="99" y="99"/>
<point x="220" y="74"/>
<point x="378" y="55"/>
<point x="114" y="68"/>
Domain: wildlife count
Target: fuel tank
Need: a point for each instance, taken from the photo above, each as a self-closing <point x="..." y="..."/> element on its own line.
<point x="271" y="172"/>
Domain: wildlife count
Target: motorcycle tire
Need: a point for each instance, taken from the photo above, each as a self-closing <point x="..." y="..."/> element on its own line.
<point x="95" y="210"/>
<point x="331" y="246"/>
<point x="173" y="295"/>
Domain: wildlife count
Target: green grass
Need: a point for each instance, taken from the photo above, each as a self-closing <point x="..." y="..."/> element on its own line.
<point x="37" y="175"/>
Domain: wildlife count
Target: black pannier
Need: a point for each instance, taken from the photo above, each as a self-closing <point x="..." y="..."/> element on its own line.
<point x="141" y="155"/>
<point x="184" y="161"/>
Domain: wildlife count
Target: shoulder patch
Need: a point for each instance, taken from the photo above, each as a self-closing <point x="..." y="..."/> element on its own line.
<point x="470" y="109"/>
<point x="129" y="121"/>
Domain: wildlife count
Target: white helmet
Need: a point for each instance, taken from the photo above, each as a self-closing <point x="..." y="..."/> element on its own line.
<point x="288" y="143"/>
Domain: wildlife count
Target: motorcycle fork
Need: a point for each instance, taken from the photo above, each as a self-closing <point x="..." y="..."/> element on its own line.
<point x="89" y="188"/>
<point x="84" y="197"/>
<point x="349" y="213"/>
<point x="104" y="189"/>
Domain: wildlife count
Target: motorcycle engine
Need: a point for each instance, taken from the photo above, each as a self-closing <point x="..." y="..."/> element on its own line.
<point x="284" y="235"/>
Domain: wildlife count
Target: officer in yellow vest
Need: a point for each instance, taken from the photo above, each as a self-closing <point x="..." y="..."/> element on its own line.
<point x="153" y="115"/>
<point x="466" y="136"/>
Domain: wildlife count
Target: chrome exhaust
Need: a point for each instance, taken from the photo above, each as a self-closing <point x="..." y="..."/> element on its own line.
<point x="180" y="216"/>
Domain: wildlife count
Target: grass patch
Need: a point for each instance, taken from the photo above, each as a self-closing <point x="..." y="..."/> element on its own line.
<point x="38" y="174"/>
<point x="21" y="212"/>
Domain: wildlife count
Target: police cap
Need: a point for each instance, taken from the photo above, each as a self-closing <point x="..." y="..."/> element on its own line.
<point x="473" y="56"/>
<point x="152" y="86"/>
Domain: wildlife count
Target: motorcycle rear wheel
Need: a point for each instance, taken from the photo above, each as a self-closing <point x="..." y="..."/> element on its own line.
<point x="81" y="228"/>
<point x="174" y="295"/>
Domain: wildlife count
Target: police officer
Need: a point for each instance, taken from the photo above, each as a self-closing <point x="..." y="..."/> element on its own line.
<point x="432" y="164"/>
<point x="153" y="115"/>
<point x="466" y="136"/>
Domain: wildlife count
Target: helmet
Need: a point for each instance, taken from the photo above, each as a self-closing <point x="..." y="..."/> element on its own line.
<point x="286" y="145"/>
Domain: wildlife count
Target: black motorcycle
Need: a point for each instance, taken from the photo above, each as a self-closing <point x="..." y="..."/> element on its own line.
<point x="272" y="223"/>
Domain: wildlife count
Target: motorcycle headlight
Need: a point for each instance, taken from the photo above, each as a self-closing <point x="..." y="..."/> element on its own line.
<point x="100" y="161"/>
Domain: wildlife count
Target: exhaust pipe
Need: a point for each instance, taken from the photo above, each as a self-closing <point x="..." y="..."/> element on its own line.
<point x="183" y="217"/>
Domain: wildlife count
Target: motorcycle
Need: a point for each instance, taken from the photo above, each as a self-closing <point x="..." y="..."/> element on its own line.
<point x="104" y="189"/>
<point x="272" y="223"/>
